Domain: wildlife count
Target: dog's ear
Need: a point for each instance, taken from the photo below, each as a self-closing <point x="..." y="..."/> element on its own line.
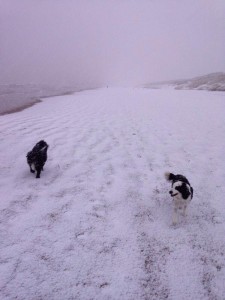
<point x="169" y="176"/>
<point x="183" y="190"/>
<point x="192" y="192"/>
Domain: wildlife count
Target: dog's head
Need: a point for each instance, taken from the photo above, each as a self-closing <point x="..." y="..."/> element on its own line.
<point x="180" y="190"/>
<point x="42" y="144"/>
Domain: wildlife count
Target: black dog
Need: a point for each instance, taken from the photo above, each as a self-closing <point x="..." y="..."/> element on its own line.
<point x="37" y="157"/>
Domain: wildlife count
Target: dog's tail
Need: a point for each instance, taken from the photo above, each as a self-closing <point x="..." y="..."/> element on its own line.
<point x="169" y="176"/>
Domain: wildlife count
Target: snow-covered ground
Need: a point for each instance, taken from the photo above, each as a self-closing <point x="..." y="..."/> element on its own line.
<point x="97" y="224"/>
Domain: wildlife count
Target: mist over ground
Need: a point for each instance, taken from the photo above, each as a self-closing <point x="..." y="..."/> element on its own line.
<point x="99" y="43"/>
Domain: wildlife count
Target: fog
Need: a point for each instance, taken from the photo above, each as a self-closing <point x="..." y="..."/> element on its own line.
<point x="110" y="42"/>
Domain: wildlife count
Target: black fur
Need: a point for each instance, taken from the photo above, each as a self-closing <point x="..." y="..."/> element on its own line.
<point x="183" y="190"/>
<point x="192" y="192"/>
<point x="37" y="157"/>
<point x="177" y="177"/>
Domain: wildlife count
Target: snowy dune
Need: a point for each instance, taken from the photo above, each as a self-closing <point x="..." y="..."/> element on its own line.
<point x="97" y="224"/>
<point x="210" y="82"/>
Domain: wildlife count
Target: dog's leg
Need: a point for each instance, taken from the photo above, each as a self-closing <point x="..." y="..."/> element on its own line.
<point x="38" y="172"/>
<point x="184" y="210"/>
<point x="32" y="171"/>
<point x="32" y="168"/>
<point x="175" y="216"/>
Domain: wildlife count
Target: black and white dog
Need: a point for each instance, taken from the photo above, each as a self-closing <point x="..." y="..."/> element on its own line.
<point x="182" y="193"/>
<point x="37" y="157"/>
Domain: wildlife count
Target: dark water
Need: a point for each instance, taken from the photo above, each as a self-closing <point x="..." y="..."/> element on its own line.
<point x="17" y="97"/>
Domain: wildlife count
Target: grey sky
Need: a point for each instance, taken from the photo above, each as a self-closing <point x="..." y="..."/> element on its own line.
<point x="115" y="42"/>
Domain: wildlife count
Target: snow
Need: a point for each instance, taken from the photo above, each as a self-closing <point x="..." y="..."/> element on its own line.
<point x="97" y="224"/>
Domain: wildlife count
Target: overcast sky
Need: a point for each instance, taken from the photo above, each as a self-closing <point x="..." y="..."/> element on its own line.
<point x="110" y="42"/>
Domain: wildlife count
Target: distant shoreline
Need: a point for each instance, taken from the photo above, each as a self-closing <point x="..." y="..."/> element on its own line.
<point x="18" y="109"/>
<point x="36" y="101"/>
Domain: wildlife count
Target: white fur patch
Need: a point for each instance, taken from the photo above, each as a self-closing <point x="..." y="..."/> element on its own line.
<point x="33" y="167"/>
